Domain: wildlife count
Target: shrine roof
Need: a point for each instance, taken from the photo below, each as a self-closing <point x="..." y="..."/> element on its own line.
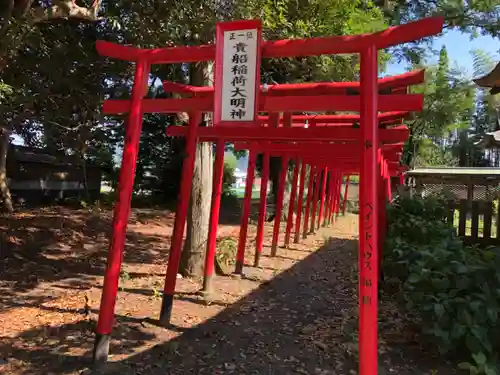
<point x="454" y="171"/>
<point x="491" y="80"/>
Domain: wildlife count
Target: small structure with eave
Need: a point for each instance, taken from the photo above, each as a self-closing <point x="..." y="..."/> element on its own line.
<point x="472" y="195"/>
<point x="490" y="80"/>
<point x="490" y="143"/>
<point x="38" y="177"/>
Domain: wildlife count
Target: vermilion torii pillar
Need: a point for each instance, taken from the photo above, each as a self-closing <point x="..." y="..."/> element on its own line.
<point x="367" y="97"/>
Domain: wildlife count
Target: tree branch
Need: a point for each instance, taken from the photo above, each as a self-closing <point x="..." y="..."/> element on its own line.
<point x="76" y="128"/>
<point x="64" y="9"/>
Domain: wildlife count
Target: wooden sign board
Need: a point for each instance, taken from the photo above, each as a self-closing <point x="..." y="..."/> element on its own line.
<point x="237" y="73"/>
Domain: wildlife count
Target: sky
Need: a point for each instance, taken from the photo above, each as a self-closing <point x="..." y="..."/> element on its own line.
<point x="459" y="47"/>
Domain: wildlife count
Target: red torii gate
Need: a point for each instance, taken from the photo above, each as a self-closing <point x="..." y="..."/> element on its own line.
<point x="334" y="151"/>
<point x="368" y="137"/>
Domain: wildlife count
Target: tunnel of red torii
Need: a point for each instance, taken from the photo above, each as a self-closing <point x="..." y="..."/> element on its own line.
<point x="364" y="137"/>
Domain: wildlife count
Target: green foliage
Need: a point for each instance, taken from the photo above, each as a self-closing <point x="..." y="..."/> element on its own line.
<point x="124" y="277"/>
<point x="483" y="119"/>
<point x="354" y="178"/>
<point x="160" y="159"/>
<point x="228" y="178"/>
<point x="226" y="251"/>
<point x="285" y="19"/>
<point x="481" y="16"/>
<point x="55" y="92"/>
<point x="448" y="103"/>
<point x="231" y="160"/>
<point x="480" y="365"/>
<point x="473" y="17"/>
<point x="487" y="107"/>
<point x="432" y="154"/>
<point x="5" y="91"/>
<point x="454" y="288"/>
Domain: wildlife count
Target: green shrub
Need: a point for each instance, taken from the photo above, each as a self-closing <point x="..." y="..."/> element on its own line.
<point x="228" y="179"/>
<point x="227" y="248"/>
<point x="455" y="289"/>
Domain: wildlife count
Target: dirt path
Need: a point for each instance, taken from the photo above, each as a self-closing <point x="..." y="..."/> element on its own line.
<point x="294" y="314"/>
<point x="303" y="321"/>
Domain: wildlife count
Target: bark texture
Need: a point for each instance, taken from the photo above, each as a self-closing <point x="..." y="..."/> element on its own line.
<point x="5" y="197"/>
<point x="193" y="254"/>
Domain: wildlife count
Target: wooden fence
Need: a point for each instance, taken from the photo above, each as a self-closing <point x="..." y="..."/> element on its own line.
<point x="472" y="194"/>
<point x="476" y="221"/>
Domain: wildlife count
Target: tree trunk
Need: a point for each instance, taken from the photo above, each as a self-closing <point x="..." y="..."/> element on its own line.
<point x="193" y="254"/>
<point x="5" y="197"/>
<point x="462" y="146"/>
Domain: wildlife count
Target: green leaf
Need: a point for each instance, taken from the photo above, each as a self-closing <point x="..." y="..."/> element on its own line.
<point x="480" y="358"/>
<point x="439" y="310"/>
<point x="414" y="278"/>
<point x="479" y="332"/>
<point x="492" y="313"/>
<point x="476" y="305"/>
<point x="457" y="331"/>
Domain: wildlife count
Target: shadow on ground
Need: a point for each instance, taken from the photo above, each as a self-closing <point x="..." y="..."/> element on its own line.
<point x="60" y="244"/>
<point x="292" y="322"/>
<point x="302" y="321"/>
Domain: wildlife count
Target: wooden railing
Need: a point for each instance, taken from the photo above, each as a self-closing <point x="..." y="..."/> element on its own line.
<point x="477" y="222"/>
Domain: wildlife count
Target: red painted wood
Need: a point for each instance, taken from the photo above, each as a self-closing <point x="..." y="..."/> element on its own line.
<point x="328" y="203"/>
<point x="339" y="189"/>
<point x="317" y="184"/>
<point x="122" y="206"/>
<point x="312" y="173"/>
<point x="291" y="204"/>
<point x="279" y="204"/>
<point x="262" y="209"/>
<point x="393" y="135"/>
<point x="322" y="196"/>
<point x="394" y="102"/>
<point x="397" y="83"/>
<point x="388" y="181"/>
<point x="283" y="48"/>
<point x="331" y="148"/>
<point x="214" y="216"/>
<point x="368" y="231"/>
<point x="331" y="197"/>
<point x="335" y="149"/>
<point x="240" y="256"/>
<point x="368" y="103"/>
<point x="336" y="197"/>
<point x="300" y="200"/>
<point x="346" y="119"/>
<point x="181" y="211"/>
<point x="346" y="192"/>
